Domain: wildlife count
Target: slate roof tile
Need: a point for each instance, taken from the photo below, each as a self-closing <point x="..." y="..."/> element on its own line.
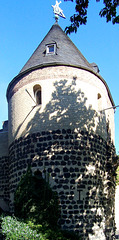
<point x="67" y="53"/>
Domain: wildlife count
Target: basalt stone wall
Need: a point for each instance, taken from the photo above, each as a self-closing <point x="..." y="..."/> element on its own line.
<point x="81" y="168"/>
<point x="4" y="182"/>
<point x="4" y="168"/>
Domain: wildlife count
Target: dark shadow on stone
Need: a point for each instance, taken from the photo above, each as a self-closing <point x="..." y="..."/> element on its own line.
<point x="65" y="102"/>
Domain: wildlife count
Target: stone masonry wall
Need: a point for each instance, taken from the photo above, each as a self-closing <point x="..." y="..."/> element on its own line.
<point x="4" y="183"/>
<point x="60" y="85"/>
<point x="66" y="138"/>
<point x="3" y="143"/>
<point x="79" y="167"/>
<point x="4" y="170"/>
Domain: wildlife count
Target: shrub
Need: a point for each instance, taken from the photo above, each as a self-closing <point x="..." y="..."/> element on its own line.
<point x="14" y="229"/>
<point x="54" y="234"/>
<point x="39" y="207"/>
<point x="36" y="200"/>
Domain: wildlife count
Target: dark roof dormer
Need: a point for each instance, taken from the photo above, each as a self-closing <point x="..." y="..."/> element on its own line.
<point x="56" y="48"/>
<point x="51" y="48"/>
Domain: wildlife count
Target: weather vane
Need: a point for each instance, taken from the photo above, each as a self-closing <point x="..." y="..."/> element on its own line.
<point x="58" y="11"/>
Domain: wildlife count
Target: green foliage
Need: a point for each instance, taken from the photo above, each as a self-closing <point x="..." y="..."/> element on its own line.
<point x="80" y="17"/>
<point x="39" y="208"/>
<point x="14" y="229"/>
<point x="110" y="11"/>
<point x="117" y="177"/>
<point x="53" y="233"/>
<point x="36" y="200"/>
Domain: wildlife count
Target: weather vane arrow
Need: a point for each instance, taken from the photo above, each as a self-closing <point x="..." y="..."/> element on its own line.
<point x="58" y="11"/>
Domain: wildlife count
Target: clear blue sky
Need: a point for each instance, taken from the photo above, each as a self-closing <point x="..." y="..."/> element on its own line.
<point x="24" y="23"/>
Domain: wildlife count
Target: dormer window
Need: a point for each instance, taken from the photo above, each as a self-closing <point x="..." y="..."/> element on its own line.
<point x="51" y="49"/>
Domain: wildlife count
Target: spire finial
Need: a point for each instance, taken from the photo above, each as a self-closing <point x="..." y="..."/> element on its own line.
<point x="58" y="11"/>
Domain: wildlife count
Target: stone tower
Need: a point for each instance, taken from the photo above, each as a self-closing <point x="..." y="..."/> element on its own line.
<point x="58" y="124"/>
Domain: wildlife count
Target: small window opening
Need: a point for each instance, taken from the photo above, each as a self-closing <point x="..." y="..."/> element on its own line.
<point x="99" y="102"/>
<point x="37" y="94"/>
<point x="50" y="49"/>
<point x="99" y="95"/>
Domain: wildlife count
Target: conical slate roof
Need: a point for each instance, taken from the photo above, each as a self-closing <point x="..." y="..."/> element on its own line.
<point x="66" y="52"/>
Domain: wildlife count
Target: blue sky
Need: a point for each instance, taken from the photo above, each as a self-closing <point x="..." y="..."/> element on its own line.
<point x="24" y="23"/>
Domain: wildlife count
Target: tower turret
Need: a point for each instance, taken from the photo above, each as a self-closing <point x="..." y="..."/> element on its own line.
<point x="57" y="123"/>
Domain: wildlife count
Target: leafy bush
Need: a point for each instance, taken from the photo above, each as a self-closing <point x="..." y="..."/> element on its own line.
<point x="14" y="229"/>
<point x="54" y="233"/>
<point x="36" y="200"/>
<point x="39" y="207"/>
